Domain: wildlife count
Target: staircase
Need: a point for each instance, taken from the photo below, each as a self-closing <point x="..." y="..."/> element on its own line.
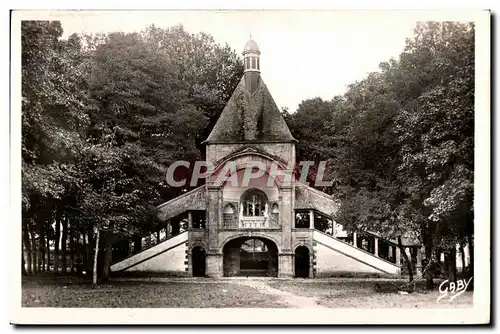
<point x="167" y="255"/>
<point x="334" y="256"/>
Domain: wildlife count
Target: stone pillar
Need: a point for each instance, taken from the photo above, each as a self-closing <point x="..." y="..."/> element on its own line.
<point x="214" y="265"/>
<point x="311" y="219"/>
<point x="286" y="218"/>
<point x="311" y="261"/>
<point x="213" y="219"/>
<point x="398" y="255"/>
<point x="190" y="262"/>
<point x="190" y="220"/>
<point x="419" y="260"/>
<point x="285" y="266"/>
<point x="354" y="239"/>
<point x="375" y="246"/>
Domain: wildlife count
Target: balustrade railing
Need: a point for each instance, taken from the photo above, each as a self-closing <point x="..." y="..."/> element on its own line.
<point x="257" y="222"/>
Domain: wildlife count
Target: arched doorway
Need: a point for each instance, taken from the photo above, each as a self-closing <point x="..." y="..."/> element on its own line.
<point x="248" y="256"/>
<point x="302" y="261"/>
<point x="198" y="261"/>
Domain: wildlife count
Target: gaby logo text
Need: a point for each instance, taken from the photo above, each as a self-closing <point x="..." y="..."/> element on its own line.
<point x="453" y="289"/>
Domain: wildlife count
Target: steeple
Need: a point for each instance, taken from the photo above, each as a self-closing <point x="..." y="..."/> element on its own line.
<point x="251" y="115"/>
<point x="251" y="56"/>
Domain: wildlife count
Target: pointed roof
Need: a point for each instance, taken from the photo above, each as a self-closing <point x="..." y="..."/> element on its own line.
<point x="251" y="115"/>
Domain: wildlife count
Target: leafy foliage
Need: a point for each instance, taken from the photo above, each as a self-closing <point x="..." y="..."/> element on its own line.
<point x="400" y="142"/>
<point x="105" y="115"/>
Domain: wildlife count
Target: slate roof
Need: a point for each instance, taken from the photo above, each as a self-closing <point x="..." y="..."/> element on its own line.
<point x="308" y="198"/>
<point x="251" y="115"/>
<point x="193" y="200"/>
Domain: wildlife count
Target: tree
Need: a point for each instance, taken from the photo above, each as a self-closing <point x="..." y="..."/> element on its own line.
<point x="400" y="142"/>
<point x="53" y="115"/>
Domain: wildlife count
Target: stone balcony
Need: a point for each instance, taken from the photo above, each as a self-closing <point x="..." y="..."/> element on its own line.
<point x="247" y="223"/>
<point x="253" y="222"/>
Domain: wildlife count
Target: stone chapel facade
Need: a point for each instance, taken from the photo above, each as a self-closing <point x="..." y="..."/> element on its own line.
<point x="263" y="228"/>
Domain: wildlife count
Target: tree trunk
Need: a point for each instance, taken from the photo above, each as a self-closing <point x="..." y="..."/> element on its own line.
<point x="42" y="251"/>
<point x="407" y="260"/>
<point x="158" y="236"/>
<point x="107" y="259"/>
<point x="64" y="242"/>
<point x="96" y="253"/>
<point x="47" y="249"/>
<point x="429" y="271"/>
<point x="34" y="260"/>
<point x="27" y="251"/>
<point x="84" y="249"/>
<point x="451" y="267"/>
<point x="73" y="251"/>
<point x="39" y="243"/>
<point x="23" y="264"/>
<point x="56" y="244"/>
<point x="470" y="242"/>
<point x="90" y="243"/>
<point x="462" y="255"/>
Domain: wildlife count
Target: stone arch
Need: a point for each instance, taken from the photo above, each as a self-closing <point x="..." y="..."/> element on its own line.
<point x="246" y="235"/>
<point x="229" y="209"/>
<point x="240" y="161"/>
<point x="250" y="255"/>
<point x="275" y="208"/>
<point x="302" y="261"/>
<point x="254" y="202"/>
<point x="198" y="244"/>
<point x="305" y="244"/>
<point x="198" y="260"/>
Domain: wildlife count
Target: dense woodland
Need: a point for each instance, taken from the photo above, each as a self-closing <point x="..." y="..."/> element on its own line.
<point x="103" y="116"/>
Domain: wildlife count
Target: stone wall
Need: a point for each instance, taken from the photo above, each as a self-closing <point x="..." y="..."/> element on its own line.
<point x="284" y="151"/>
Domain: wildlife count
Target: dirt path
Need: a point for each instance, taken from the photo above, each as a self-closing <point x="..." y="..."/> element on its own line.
<point x="286" y="298"/>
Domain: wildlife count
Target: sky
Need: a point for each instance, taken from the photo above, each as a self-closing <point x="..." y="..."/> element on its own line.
<point x="304" y="54"/>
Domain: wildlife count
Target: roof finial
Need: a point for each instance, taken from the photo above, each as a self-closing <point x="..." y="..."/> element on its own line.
<point x="250" y="35"/>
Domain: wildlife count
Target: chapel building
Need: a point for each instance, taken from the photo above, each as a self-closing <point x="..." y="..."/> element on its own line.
<point x="269" y="226"/>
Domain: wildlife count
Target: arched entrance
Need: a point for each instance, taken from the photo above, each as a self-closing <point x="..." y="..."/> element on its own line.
<point x="198" y="261"/>
<point x="302" y="261"/>
<point x="250" y="256"/>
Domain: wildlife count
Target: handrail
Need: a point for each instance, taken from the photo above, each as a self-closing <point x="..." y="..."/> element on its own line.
<point x="149" y="247"/>
<point x="361" y="249"/>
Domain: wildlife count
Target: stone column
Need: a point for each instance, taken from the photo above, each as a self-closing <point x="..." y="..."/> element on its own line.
<point x="398" y="255"/>
<point x="419" y="260"/>
<point x="354" y="239"/>
<point x="214" y="265"/>
<point x="311" y="261"/>
<point x="213" y="219"/>
<point x="285" y="266"/>
<point x="190" y="262"/>
<point x="311" y="219"/>
<point x="286" y="218"/>
<point x="190" y="220"/>
<point x="375" y="246"/>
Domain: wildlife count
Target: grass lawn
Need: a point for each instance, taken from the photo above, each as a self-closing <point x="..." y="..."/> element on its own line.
<point x="49" y="291"/>
<point x="360" y="293"/>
